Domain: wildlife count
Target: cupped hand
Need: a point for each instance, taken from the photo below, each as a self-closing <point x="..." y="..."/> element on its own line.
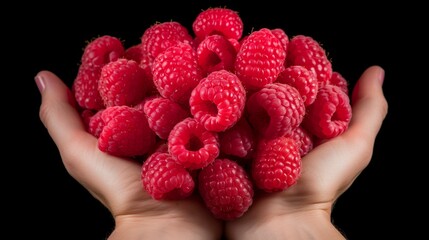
<point x="304" y="210"/>
<point x="114" y="181"/>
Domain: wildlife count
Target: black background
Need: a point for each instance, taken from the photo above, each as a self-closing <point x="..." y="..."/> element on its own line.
<point x="47" y="203"/>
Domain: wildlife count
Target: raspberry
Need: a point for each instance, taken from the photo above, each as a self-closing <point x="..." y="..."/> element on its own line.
<point x="275" y="110"/>
<point x="176" y="72"/>
<point x="338" y="80"/>
<point x="96" y="124"/>
<point x="282" y="36"/>
<point x="219" y="21"/>
<point x="330" y="114"/>
<point x="303" y="80"/>
<point x="260" y="59"/>
<point x="238" y="140"/>
<point x="160" y="36"/>
<point x="126" y="132"/>
<point x="122" y="82"/>
<point x="226" y="189"/>
<point x="164" y="178"/>
<point x="217" y="102"/>
<point x="215" y="53"/>
<point x="306" y="51"/>
<point x="101" y="51"/>
<point x="304" y="140"/>
<point x="85" y="88"/>
<point x="163" y="114"/>
<point x="134" y="52"/>
<point x="192" y="145"/>
<point x="277" y="164"/>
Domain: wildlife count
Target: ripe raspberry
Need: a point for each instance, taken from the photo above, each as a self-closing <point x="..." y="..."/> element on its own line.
<point x="338" y="80"/>
<point x="238" y="140"/>
<point x="304" y="140"/>
<point x="163" y="114"/>
<point x="275" y="110"/>
<point x="226" y="189"/>
<point x="126" y="132"/>
<point x="306" y="51"/>
<point x="160" y="36"/>
<point x="330" y="114"/>
<point x="134" y="52"/>
<point x="122" y="82"/>
<point x="215" y="53"/>
<point x="303" y="80"/>
<point x="164" y="178"/>
<point x="220" y="21"/>
<point x="277" y="164"/>
<point x="191" y="145"/>
<point x="260" y="59"/>
<point x="176" y="72"/>
<point x="101" y="51"/>
<point x="96" y="124"/>
<point x="85" y="88"/>
<point x="217" y="102"/>
<point x="282" y="36"/>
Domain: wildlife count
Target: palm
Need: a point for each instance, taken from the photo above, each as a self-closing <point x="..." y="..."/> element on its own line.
<point x="330" y="168"/>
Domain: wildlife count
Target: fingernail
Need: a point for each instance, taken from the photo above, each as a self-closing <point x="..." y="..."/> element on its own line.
<point x="381" y="76"/>
<point x="40" y="82"/>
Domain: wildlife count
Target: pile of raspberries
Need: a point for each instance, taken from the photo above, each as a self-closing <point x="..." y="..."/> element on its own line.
<point x="212" y="112"/>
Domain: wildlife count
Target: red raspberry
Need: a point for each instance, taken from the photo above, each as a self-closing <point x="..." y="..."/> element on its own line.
<point x="96" y="124"/>
<point x="176" y="73"/>
<point x="304" y="140"/>
<point x="86" y="115"/>
<point x="260" y="59"/>
<point x="238" y="140"/>
<point x="220" y="21"/>
<point x="101" y="51"/>
<point x="306" y="51"/>
<point x="215" y="53"/>
<point x="192" y="145"/>
<point x="338" y="80"/>
<point x="126" y="132"/>
<point x="134" y="52"/>
<point x="85" y="88"/>
<point x="164" y="178"/>
<point x="330" y="114"/>
<point x="226" y="189"/>
<point x="277" y="164"/>
<point x="160" y="36"/>
<point x="122" y="82"/>
<point x="275" y="110"/>
<point x="217" y="102"/>
<point x="282" y="36"/>
<point x="163" y="114"/>
<point x="304" y="80"/>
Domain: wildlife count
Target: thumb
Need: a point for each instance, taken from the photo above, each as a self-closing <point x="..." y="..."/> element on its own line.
<point x="368" y="103"/>
<point x="57" y="110"/>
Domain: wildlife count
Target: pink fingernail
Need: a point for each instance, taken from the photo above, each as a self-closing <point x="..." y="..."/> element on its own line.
<point x="40" y="83"/>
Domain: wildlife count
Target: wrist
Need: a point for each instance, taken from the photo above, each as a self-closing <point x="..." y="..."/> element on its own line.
<point x="136" y="228"/>
<point x="310" y="224"/>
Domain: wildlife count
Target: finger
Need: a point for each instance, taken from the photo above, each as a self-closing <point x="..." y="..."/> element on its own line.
<point x="57" y="111"/>
<point x="335" y="164"/>
<point x="369" y="104"/>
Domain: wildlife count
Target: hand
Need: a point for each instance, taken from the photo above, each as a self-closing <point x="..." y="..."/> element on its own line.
<point x="304" y="210"/>
<point x="116" y="182"/>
